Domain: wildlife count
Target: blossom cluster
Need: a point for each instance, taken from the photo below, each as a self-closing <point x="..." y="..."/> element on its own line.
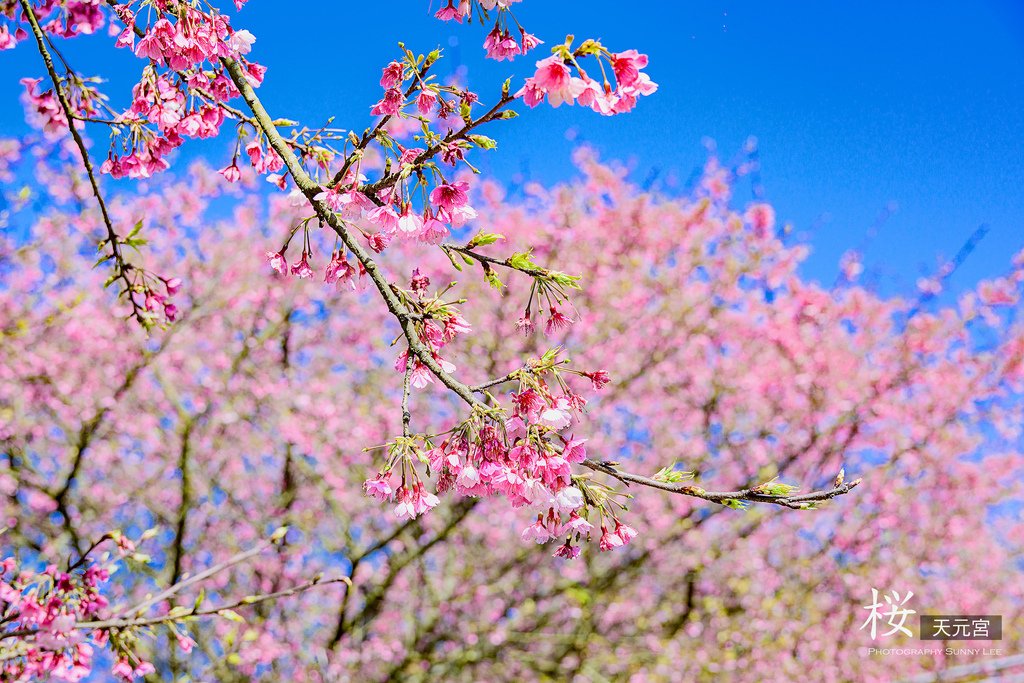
<point x="521" y="456"/>
<point x="184" y="98"/>
<point x="501" y="43"/>
<point x="554" y="80"/>
<point x="180" y="93"/>
<point x="185" y="89"/>
<point x="438" y="323"/>
<point x="46" y="607"/>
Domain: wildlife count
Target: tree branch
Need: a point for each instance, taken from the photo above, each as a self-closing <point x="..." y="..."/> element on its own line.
<point x="121" y="266"/>
<point x="801" y="502"/>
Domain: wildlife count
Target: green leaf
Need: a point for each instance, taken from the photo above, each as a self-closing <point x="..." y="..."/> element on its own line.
<point x="231" y="615"/>
<point x="670" y="475"/>
<point x="564" y="279"/>
<point x="522" y="261"/>
<point x="482" y="239"/>
<point x="482" y="141"/>
<point x="492" y="278"/>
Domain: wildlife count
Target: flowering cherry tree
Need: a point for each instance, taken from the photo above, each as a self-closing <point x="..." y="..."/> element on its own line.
<point x="249" y="414"/>
<point x="235" y="458"/>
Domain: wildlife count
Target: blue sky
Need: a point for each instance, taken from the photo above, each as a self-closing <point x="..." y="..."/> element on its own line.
<point x="856" y="106"/>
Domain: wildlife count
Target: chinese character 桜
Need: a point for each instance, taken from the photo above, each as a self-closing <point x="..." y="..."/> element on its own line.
<point x="897" y="614"/>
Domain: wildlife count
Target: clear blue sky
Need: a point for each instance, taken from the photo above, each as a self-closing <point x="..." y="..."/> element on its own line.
<point x="855" y="105"/>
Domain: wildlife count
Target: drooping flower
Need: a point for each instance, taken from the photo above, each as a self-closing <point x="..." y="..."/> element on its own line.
<point x="278" y="262"/>
<point x="567" y="551"/>
<point x="557" y="416"/>
<point x="529" y="41"/>
<point x="231" y="173"/>
<point x="240" y="42"/>
<point x="302" y="268"/>
<point x="468" y="477"/>
<point x="383" y="217"/>
<point x="557" y="321"/>
<point x="379" y="487"/>
<point x="390" y="104"/>
<point x="609" y="540"/>
<point x="625" y="532"/>
<point x="574" y="451"/>
<point x="434" y="231"/>
<point x="449" y="13"/>
<point x="392" y="75"/>
<point x="426" y="101"/>
<point x="500" y="45"/>
<point x="537" y="532"/>
<point x="525" y="325"/>
<point x="577" y="525"/>
<point x="410" y="222"/>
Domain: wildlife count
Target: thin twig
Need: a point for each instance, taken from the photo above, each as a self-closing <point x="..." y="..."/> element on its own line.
<point x="799" y="502"/>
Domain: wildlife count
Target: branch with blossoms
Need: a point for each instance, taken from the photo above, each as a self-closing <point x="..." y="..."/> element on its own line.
<point x="197" y="63"/>
<point x="490" y="453"/>
<point x="53" y="620"/>
<point x="133" y="278"/>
